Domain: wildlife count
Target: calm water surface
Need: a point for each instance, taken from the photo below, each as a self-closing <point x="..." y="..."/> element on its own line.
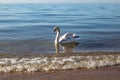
<point x="27" y="28"/>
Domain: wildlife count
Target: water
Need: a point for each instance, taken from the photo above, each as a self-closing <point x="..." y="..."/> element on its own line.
<point x="27" y="28"/>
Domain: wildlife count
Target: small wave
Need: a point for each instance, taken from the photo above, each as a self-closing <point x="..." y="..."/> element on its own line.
<point x="57" y="63"/>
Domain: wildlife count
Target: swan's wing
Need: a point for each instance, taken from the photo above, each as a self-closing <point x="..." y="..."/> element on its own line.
<point x="66" y="38"/>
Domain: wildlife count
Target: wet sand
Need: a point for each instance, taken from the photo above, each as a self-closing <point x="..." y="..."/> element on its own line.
<point x="104" y="73"/>
<point x="31" y="55"/>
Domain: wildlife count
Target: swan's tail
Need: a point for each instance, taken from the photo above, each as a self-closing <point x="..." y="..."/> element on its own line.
<point x="75" y="36"/>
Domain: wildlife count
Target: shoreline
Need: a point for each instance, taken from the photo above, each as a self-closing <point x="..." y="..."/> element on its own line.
<point x="103" y="73"/>
<point x="55" y="62"/>
<point x="110" y="72"/>
<point x="27" y="55"/>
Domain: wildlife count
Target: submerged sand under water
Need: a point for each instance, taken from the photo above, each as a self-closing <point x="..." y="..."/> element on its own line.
<point x="48" y="63"/>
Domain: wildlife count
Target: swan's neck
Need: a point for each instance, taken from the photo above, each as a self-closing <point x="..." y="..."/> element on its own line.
<point x="57" y="42"/>
<point x="57" y="38"/>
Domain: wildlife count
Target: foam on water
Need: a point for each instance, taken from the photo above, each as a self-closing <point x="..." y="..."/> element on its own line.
<point x="57" y="63"/>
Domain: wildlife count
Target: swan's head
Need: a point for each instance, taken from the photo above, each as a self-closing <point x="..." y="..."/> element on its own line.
<point x="56" y="29"/>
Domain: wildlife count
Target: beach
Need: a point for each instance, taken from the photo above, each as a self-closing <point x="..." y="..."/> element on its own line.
<point x="105" y="72"/>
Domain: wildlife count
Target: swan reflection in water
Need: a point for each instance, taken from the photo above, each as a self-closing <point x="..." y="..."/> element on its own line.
<point x="66" y="41"/>
<point x="68" y="48"/>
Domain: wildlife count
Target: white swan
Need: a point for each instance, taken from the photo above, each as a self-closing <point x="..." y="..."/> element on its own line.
<point x="67" y="38"/>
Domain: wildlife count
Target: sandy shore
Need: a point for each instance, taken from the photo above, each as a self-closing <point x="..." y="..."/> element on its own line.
<point x="104" y="73"/>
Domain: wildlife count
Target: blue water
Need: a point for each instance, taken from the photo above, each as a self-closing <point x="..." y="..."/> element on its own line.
<point x="27" y="28"/>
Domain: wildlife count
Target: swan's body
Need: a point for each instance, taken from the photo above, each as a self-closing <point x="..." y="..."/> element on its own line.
<point x="67" y="38"/>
